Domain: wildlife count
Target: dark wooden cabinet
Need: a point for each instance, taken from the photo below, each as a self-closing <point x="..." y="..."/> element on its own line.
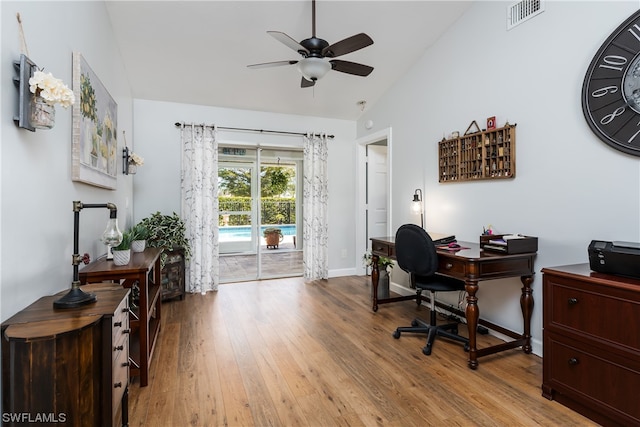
<point x="142" y="276"/>
<point x="68" y="366"/>
<point x="591" y="360"/>
<point x="172" y="277"/>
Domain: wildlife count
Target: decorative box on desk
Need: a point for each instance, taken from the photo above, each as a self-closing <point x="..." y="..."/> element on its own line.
<point x="509" y="243"/>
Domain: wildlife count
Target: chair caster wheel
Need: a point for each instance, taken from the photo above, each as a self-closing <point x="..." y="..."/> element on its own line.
<point x="426" y="351"/>
<point x="414" y="323"/>
<point x="396" y="334"/>
<point x="466" y="348"/>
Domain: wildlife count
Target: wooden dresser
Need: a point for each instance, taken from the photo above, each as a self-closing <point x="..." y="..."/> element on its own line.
<point x="142" y="276"/>
<point x="68" y="366"/>
<point x="591" y="360"/>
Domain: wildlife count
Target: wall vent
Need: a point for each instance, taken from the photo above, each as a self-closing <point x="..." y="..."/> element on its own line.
<point x="522" y="11"/>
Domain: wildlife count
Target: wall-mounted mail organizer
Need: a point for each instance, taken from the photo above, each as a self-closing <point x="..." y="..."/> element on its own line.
<point x="509" y="243"/>
<point x="487" y="154"/>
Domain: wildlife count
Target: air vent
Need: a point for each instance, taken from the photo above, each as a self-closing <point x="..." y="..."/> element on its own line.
<point x="522" y="11"/>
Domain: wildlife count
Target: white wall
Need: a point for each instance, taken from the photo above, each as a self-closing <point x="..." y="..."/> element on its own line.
<point x="36" y="187"/>
<point x="157" y="183"/>
<point x="569" y="188"/>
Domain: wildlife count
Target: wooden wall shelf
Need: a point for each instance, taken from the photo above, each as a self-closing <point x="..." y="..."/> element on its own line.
<point x="481" y="155"/>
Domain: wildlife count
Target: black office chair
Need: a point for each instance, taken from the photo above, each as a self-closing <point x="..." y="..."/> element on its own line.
<point x="416" y="254"/>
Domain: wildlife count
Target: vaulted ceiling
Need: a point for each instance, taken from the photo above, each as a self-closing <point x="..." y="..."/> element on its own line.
<point x="197" y="52"/>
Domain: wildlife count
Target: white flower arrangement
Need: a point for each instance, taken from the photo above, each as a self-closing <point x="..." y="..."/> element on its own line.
<point x="384" y="262"/>
<point x="136" y="160"/>
<point x="51" y="89"/>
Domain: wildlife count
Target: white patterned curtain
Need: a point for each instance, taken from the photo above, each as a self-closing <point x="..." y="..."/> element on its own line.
<point x="200" y="205"/>
<point x="315" y="195"/>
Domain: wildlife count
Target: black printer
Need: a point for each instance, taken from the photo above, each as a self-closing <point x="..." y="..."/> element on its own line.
<point x="619" y="258"/>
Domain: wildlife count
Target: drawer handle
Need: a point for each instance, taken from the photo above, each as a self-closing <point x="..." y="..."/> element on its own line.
<point x="573" y="361"/>
<point x="125" y="310"/>
<point x="448" y="266"/>
<point x="118" y="384"/>
<point x="573" y="301"/>
<point x="125" y="364"/>
<point x="126" y="331"/>
<point x="117" y="324"/>
<point x="120" y="347"/>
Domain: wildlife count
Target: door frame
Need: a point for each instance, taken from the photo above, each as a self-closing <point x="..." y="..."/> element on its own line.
<point x="361" y="191"/>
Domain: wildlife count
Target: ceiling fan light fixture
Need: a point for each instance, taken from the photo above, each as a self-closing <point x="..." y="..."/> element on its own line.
<point x="314" y="68"/>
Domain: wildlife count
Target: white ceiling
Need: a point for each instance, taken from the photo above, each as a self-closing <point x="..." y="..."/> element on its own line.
<point x="197" y="52"/>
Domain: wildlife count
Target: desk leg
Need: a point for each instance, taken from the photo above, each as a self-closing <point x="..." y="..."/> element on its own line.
<point x="526" y="304"/>
<point x="472" y="314"/>
<point x="375" y="276"/>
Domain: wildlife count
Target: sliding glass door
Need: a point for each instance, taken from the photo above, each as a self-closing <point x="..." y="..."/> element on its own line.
<point x="259" y="190"/>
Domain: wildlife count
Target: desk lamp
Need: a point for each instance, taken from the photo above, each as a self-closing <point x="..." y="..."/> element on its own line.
<point x="416" y="205"/>
<point x="76" y="297"/>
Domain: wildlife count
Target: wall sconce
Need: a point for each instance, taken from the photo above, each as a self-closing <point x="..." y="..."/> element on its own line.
<point x="112" y="236"/>
<point x="416" y="205"/>
<point x="128" y="168"/>
<point x="25" y="68"/>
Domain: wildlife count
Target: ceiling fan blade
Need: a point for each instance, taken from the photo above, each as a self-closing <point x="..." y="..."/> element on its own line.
<point x="307" y="83"/>
<point x="351" y="67"/>
<point x="272" y="64"/>
<point x="288" y="41"/>
<point x="348" y="45"/>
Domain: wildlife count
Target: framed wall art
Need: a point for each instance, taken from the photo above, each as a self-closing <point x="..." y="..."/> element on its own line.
<point x="94" y="144"/>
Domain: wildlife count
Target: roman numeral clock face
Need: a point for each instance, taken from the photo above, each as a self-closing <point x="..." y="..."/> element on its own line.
<point x="611" y="89"/>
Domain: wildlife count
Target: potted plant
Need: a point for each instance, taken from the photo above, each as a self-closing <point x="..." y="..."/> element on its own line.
<point x="122" y="252"/>
<point x="167" y="232"/>
<point x="140" y="234"/>
<point x="273" y="236"/>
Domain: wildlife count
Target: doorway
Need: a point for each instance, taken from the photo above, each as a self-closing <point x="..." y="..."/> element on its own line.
<point x="374" y="178"/>
<point x="259" y="193"/>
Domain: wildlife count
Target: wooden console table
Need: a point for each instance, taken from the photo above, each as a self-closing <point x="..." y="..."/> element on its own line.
<point x="69" y="364"/>
<point x="472" y="265"/>
<point x="144" y="271"/>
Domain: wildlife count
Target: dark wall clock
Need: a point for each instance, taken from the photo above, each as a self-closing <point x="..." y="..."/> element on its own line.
<point x="611" y="89"/>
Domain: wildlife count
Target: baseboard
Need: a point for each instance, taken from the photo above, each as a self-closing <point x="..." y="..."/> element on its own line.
<point x="342" y="272"/>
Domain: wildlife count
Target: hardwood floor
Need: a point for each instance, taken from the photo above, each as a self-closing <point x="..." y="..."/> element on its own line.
<point x="288" y="353"/>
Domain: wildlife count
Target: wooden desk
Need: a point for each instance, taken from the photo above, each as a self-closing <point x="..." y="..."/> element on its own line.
<point x="472" y="265"/>
<point x="69" y="363"/>
<point x="143" y="270"/>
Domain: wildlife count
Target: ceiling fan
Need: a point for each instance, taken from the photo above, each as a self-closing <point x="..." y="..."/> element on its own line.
<point x="317" y="54"/>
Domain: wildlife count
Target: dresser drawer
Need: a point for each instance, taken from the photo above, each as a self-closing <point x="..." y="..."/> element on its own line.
<point x="382" y="249"/>
<point x="120" y="380"/>
<point x="451" y="266"/>
<point x="578" y="308"/>
<point x="595" y="378"/>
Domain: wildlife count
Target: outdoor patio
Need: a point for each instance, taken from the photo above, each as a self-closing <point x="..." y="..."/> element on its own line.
<point x="285" y="261"/>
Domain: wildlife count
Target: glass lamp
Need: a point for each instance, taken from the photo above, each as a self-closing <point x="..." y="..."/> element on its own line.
<point x="76" y="297"/>
<point x="314" y="68"/>
<point x="416" y="205"/>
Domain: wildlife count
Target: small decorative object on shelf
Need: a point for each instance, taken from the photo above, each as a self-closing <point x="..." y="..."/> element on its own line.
<point x="122" y="252"/>
<point x="489" y="154"/>
<point x="167" y="232"/>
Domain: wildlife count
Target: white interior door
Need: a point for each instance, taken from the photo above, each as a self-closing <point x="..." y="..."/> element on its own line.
<point x="377" y="190"/>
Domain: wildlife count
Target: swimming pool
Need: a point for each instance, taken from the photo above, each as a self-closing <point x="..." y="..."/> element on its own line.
<point x="243" y="232"/>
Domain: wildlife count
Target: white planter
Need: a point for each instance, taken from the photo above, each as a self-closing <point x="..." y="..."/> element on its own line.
<point x="121" y="257"/>
<point x="138" y="245"/>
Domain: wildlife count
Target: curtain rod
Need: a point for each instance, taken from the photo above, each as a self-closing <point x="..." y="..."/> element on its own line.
<point x="178" y="124"/>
